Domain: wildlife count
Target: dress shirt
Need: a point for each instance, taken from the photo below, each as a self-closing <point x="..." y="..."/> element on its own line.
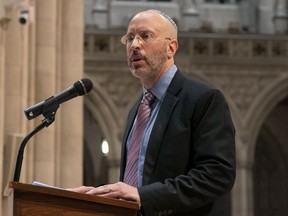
<point x="158" y="90"/>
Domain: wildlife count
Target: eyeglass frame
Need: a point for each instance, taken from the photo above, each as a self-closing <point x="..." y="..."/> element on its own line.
<point x="124" y="38"/>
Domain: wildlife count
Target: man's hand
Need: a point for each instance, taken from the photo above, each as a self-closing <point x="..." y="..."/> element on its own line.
<point x="118" y="190"/>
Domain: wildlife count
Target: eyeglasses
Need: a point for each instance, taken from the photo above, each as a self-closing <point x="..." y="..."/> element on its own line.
<point x="144" y="37"/>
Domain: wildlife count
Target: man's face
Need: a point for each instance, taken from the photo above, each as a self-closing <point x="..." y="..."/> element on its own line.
<point x="146" y="47"/>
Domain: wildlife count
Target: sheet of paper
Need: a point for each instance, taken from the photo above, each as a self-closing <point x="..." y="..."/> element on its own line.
<point x="36" y="183"/>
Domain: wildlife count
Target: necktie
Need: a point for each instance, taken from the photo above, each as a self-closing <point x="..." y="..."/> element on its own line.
<point x="143" y="115"/>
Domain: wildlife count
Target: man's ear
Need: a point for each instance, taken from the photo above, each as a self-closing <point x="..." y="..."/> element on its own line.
<point x="172" y="48"/>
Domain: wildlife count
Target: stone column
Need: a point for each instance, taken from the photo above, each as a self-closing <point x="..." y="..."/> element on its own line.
<point x="14" y="68"/>
<point x="38" y="60"/>
<point x="190" y="16"/>
<point x="100" y="14"/>
<point x="45" y="86"/>
<point x="247" y="12"/>
<point x="69" y="133"/>
<point x="265" y="16"/>
<point x="281" y="17"/>
<point x="58" y="149"/>
<point x="3" y="27"/>
<point x="242" y="193"/>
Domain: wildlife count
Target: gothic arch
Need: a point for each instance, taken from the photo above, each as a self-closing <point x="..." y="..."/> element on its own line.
<point x="261" y="108"/>
<point x="104" y="111"/>
<point x="111" y="120"/>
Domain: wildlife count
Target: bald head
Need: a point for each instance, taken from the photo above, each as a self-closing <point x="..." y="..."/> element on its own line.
<point x="157" y="20"/>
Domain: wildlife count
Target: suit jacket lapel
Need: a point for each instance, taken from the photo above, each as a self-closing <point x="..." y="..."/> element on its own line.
<point x="159" y="128"/>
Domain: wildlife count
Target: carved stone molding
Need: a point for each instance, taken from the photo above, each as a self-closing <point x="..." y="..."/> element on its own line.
<point x="241" y="84"/>
<point x="229" y="49"/>
<point x="119" y="84"/>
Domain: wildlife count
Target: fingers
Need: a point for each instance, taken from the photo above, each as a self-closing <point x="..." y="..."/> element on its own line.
<point x="81" y="189"/>
<point x="118" y="190"/>
<point x="105" y="189"/>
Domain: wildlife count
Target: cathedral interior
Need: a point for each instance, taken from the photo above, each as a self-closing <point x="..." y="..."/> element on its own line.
<point x="239" y="46"/>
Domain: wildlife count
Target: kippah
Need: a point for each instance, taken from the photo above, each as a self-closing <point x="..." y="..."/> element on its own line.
<point x="168" y="18"/>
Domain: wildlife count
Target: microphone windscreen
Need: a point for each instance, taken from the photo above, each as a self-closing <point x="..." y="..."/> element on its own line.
<point x="83" y="86"/>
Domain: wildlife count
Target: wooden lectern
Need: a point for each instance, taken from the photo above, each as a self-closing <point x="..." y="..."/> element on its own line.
<point x="32" y="200"/>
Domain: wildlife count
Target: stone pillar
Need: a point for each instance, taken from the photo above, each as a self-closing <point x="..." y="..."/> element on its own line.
<point x="247" y="12"/>
<point x="17" y="55"/>
<point x="242" y="193"/>
<point x="37" y="60"/>
<point x="3" y="27"/>
<point x="58" y="149"/>
<point x="100" y="14"/>
<point x="265" y="16"/>
<point x="190" y="16"/>
<point x="14" y="69"/>
<point x="45" y="145"/>
<point x="281" y="17"/>
<point x="69" y="131"/>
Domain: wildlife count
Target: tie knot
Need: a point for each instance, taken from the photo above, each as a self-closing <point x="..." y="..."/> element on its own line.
<point x="148" y="98"/>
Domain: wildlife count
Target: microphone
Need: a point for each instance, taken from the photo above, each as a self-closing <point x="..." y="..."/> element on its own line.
<point x="50" y="105"/>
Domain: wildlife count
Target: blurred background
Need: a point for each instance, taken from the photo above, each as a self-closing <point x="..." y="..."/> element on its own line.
<point x="239" y="46"/>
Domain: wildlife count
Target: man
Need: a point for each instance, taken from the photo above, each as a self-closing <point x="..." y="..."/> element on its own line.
<point x="186" y="161"/>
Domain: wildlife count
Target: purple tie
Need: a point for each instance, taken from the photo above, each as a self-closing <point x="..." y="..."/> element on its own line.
<point x="143" y="115"/>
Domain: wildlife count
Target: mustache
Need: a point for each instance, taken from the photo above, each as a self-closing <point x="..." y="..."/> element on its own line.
<point x="135" y="52"/>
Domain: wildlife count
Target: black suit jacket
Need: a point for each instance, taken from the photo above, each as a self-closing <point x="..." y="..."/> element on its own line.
<point x="190" y="160"/>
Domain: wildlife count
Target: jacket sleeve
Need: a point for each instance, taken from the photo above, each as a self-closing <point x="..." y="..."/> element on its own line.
<point x="211" y="170"/>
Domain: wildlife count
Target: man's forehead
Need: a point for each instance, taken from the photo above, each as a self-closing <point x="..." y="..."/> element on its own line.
<point x="141" y="26"/>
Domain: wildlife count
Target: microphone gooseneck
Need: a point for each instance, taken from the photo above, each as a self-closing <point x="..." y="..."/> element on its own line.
<point x="48" y="109"/>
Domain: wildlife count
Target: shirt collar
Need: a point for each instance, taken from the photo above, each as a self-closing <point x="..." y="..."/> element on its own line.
<point x="160" y="87"/>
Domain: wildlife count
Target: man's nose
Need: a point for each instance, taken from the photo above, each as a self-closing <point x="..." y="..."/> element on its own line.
<point x="136" y="41"/>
